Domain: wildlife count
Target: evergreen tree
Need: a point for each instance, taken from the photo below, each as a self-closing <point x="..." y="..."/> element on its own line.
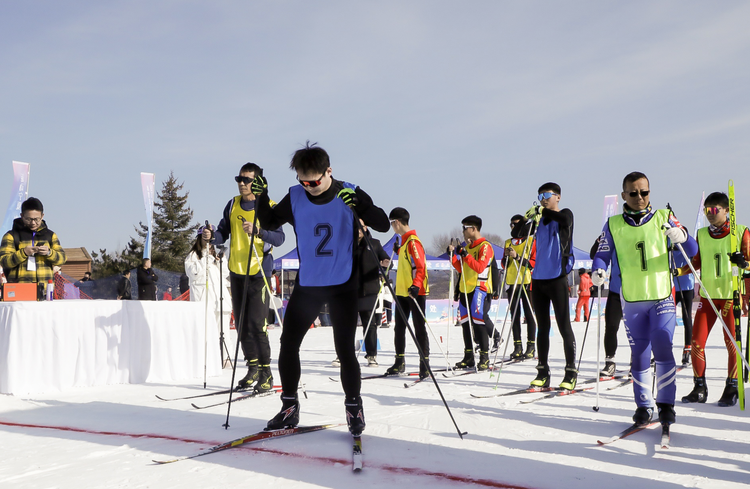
<point x="173" y="235"/>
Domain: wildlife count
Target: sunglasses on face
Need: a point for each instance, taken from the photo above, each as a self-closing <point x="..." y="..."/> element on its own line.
<point x="311" y="183"/>
<point x="245" y="180"/>
<point x="635" y="193"/>
<point x="712" y="210"/>
<point x="466" y="227"/>
<point x="545" y="195"/>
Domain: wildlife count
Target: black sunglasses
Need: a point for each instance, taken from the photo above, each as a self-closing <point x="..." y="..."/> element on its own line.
<point x="245" y="180"/>
<point x="635" y="193"/>
<point x="311" y="183"/>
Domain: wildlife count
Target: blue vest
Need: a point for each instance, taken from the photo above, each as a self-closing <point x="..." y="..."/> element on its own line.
<point x="549" y="252"/>
<point x="325" y="239"/>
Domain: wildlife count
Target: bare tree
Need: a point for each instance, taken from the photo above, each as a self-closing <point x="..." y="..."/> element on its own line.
<point x="441" y="241"/>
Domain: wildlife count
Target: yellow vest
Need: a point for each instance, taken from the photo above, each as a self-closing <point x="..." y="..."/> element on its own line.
<point x="239" y="243"/>
<point x="716" y="269"/>
<point x="514" y="267"/>
<point x="405" y="271"/>
<point x="472" y="279"/>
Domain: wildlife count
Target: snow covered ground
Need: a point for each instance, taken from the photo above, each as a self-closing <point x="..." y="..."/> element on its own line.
<point x="107" y="437"/>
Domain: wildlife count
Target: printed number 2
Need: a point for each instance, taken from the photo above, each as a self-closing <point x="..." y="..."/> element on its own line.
<point x="641" y="247"/>
<point x="324" y="230"/>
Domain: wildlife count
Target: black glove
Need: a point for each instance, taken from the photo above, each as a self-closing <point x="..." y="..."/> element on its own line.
<point x="448" y="250"/>
<point x="496" y="296"/>
<point x="738" y="259"/>
<point x="414" y="291"/>
<point x="462" y="251"/>
<point x="395" y="247"/>
<point x="259" y="185"/>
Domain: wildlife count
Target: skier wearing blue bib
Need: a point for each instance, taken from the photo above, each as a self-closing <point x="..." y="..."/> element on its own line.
<point x="549" y="281"/>
<point x="640" y="238"/>
<point x="320" y="211"/>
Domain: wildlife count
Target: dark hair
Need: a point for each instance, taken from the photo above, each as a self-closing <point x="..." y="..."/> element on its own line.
<point x="86" y="273"/>
<point x="717" y="198"/>
<point x="473" y="221"/>
<point x="251" y="168"/>
<point x="126" y="272"/>
<point x="198" y="248"/>
<point x="310" y="159"/>
<point x="550" y="186"/>
<point x="581" y="271"/>
<point x="401" y="214"/>
<point x="32" y="204"/>
<point x="517" y="217"/>
<point x="632" y="177"/>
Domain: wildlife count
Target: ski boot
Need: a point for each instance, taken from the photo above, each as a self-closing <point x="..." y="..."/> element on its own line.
<point x="398" y="368"/>
<point x="496" y="342"/>
<point x="265" y="380"/>
<point x="699" y="392"/>
<point x="424" y="368"/>
<point x="686" y="356"/>
<point x="371" y="360"/>
<point x="484" y="361"/>
<point x="643" y="415"/>
<point x="729" y="396"/>
<point x="250" y="377"/>
<point x="288" y="417"/>
<point x="570" y="379"/>
<point x="336" y="362"/>
<point x="468" y="360"/>
<point x="666" y="413"/>
<point x="517" y="350"/>
<point x="542" y="377"/>
<point x="355" y="416"/>
<point x="609" y="367"/>
<point x="530" y="349"/>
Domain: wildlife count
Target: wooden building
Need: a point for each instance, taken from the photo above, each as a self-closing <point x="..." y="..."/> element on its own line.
<point x="78" y="261"/>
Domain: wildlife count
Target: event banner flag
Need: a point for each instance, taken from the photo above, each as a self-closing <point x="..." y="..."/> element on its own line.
<point x="610" y="207"/>
<point x="18" y="194"/>
<point x="700" y="220"/>
<point x="147" y="184"/>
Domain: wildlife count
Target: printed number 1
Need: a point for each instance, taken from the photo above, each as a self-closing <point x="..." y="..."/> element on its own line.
<point x="641" y="247"/>
<point x="717" y="257"/>
<point x="326" y="231"/>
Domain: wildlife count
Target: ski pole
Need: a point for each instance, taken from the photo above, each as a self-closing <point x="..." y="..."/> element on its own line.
<point x="450" y="302"/>
<point x="585" y="333"/>
<point x="427" y="323"/>
<point x="369" y="322"/>
<point x="205" y="322"/>
<point x="411" y="330"/>
<point x="519" y="271"/>
<point x="713" y="306"/>
<point x="238" y="324"/>
<point x="598" y="341"/>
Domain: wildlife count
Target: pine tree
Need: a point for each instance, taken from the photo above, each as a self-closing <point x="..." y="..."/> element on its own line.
<point x="173" y="235"/>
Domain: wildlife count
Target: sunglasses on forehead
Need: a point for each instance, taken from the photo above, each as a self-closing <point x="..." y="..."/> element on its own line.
<point x="545" y="195"/>
<point x="311" y="183"/>
<point x="635" y="193"/>
<point x="712" y="210"/>
<point x="245" y="180"/>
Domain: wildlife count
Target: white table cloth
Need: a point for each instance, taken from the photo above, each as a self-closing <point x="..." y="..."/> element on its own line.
<point x="52" y="346"/>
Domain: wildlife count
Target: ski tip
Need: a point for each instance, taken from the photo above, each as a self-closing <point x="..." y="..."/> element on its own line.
<point x="196" y="407"/>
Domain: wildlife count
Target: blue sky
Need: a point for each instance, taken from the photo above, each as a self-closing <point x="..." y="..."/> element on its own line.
<point x="445" y="108"/>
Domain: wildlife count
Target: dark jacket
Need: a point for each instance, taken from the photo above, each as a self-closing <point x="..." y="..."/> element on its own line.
<point x="146" y="284"/>
<point x="369" y="275"/>
<point x="124" y="289"/>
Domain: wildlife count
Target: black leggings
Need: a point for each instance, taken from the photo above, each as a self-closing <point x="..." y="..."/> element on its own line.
<point x="518" y="293"/>
<point x="304" y="306"/>
<point x="685" y="299"/>
<point x="252" y="332"/>
<point x="407" y="306"/>
<point x="371" y="340"/>
<point x="554" y="291"/>
<point x="612" y="318"/>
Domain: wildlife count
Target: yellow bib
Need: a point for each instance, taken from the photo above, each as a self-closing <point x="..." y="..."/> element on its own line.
<point x="240" y="242"/>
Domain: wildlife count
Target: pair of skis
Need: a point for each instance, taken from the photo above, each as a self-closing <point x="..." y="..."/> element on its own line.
<point x="635" y="428"/>
<point x="357" y="454"/>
